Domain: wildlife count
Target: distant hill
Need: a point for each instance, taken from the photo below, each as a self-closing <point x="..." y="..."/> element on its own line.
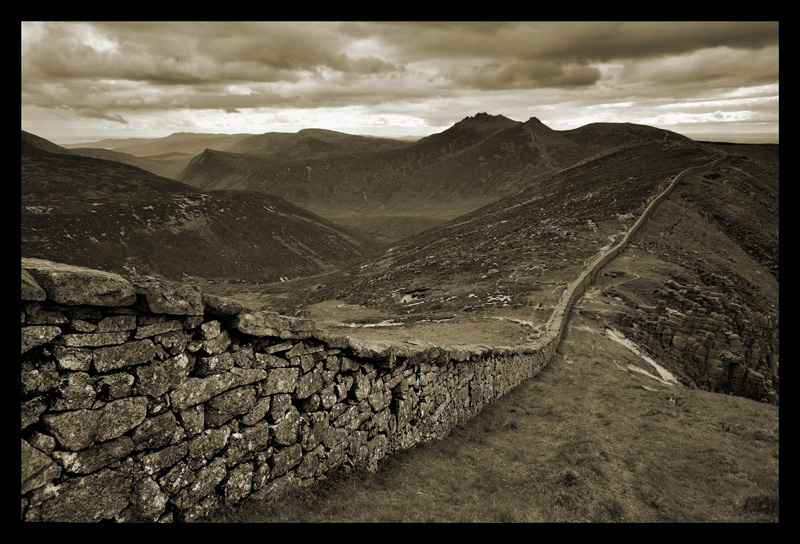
<point x="108" y="215"/>
<point x="395" y="192"/>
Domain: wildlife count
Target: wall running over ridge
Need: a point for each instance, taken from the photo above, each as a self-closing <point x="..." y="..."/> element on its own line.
<point x="144" y="400"/>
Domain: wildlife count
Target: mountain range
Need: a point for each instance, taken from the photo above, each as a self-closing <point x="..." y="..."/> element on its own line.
<point x="488" y="219"/>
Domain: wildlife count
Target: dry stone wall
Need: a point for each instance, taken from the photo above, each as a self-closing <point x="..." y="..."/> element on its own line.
<point x="144" y="400"/>
<point x="149" y="401"/>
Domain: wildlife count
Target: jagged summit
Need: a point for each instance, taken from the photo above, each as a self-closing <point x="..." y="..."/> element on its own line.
<point x="485" y="121"/>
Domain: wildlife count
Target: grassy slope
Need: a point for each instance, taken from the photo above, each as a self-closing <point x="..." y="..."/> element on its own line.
<point x="587" y="440"/>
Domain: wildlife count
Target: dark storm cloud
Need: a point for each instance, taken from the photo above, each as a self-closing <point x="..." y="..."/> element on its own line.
<point x="118" y="71"/>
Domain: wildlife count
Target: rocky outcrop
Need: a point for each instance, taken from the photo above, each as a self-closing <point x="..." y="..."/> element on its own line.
<point x="713" y="342"/>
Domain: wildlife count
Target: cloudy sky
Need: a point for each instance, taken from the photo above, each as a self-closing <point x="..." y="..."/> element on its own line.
<point x="92" y="80"/>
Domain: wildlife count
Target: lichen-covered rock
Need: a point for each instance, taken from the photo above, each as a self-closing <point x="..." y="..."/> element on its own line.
<point x="147" y="504"/>
<point x="30" y="289"/>
<point x="67" y="284"/>
<point x="207" y="479"/>
<point x="37" y="469"/>
<point x="155" y="432"/>
<point x="95" y="457"/>
<point x="239" y="484"/>
<point x="93" y="498"/>
<point x="79" y="429"/>
<point x="165" y="297"/>
<point x="129" y="354"/>
<point x="243" y="445"/>
<point x="37" y="335"/>
<point x="231" y="403"/>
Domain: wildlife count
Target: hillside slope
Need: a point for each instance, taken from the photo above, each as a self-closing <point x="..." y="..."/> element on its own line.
<point x="107" y="215"/>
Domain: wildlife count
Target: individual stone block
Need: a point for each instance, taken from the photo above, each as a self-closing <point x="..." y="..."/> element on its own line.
<point x="37" y="469"/>
<point x="155" y="432"/>
<point x="245" y="444"/>
<point x="154" y="329"/>
<point x="79" y="429"/>
<point x="158" y="377"/>
<point x="37" y="335"/>
<point x="206" y="366"/>
<point x="117" y="323"/>
<point x="94" y="458"/>
<point x="285" y="459"/>
<point x="147" y="504"/>
<point x="90" y="499"/>
<point x="229" y="404"/>
<point x="77" y="391"/>
<point x="74" y="285"/>
<point x="164" y="297"/>
<point x="78" y="359"/>
<point x="239" y="483"/>
<point x="281" y="380"/>
<point x="30" y="289"/>
<point x="207" y="479"/>
<point x="94" y="339"/>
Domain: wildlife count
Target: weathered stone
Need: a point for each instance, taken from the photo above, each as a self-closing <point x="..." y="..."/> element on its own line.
<point x="37" y="469"/>
<point x="257" y="322"/>
<point x="193" y="419"/>
<point x="207" y="479"/>
<point x="198" y="390"/>
<point x="244" y="357"/>
<point x="245" y="376"/>
<point x="93" y="498"/>
<point x="159" y="377"/>
<point x="114" y="386"/>
<point x="74" y="285"/>
<point x="42" y="442"/>
<point x="286" y="427"/>
<point x="165" y="297"/>
<point x="231" y="403"/>
<point x="115" y="357"/>
<point x="146" y="331"/>
<point x="210" y="329"/>
<point x="31" y="410"/>
<point x="281" y="380"/>
<point x="218" y="344"/>
<point x="176" y="478"/>
<point x="221" y="306"/>
<point x="76" y="392"/>
<point x="94" y="339"/>
<point x="94" y="458"/>
<point x="174" y="342"/>
<point x="156" y="461"/>
<point x="38" y="377"/>
<point x="286" y="459"/>
<point x="79" y="359"/>
<point x="206" y="445"/>
<point x="206" y="366"/>
<point x="120" y="416"/>
<point x="239" y="484"/>
<point x="314" y="430"/>
<point x="308" y="384"/>
<point x="147" y="504"/>
<point x="155" y="432"/>
<point x="37" y="335"/>
<point x="277" y="348"/>
<point x="79" y="325"/>
<point x="30" y="289"/>
<point x="244" y="444"/>
<point x="117" y="323"/>
<point x="257" y="412"/>
<point x="265" y="360"/>
<point x="79" y="429"/>
<point x="45" y="317"/>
